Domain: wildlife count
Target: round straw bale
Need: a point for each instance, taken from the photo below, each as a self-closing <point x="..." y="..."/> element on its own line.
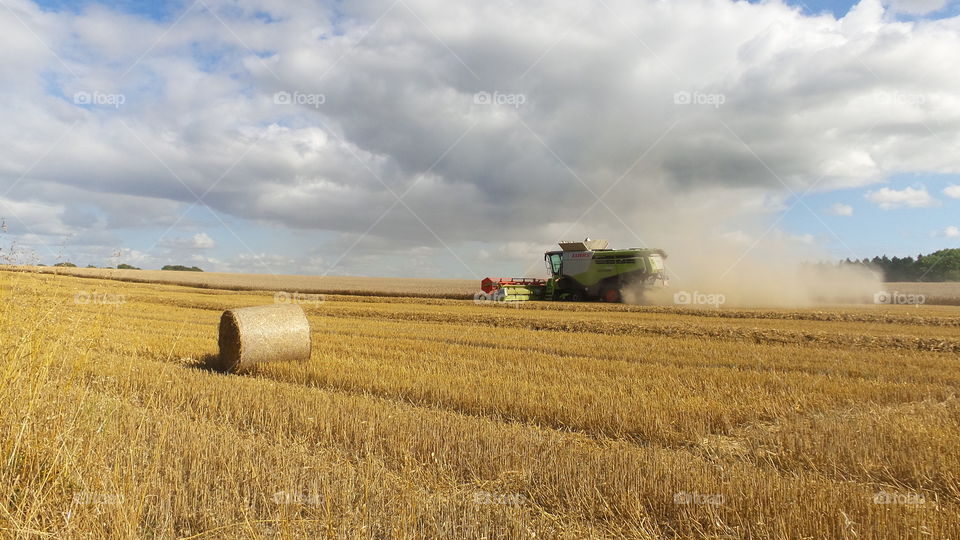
<point x="274" y="333"/>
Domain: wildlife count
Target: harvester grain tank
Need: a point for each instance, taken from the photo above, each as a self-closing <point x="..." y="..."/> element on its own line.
<point x="586" y="270"/>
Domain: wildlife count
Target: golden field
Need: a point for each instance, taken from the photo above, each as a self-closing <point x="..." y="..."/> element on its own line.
<point x="934" y="293"/>
<point x="442" y="418"/>
<point x="365" y="286"/>
<point x="938" y="293"/>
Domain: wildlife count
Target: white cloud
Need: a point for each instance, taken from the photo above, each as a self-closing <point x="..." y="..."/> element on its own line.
<point x="737" y="237"/>
<point x="840" y="209"/>
<point x="203" y="241"/>
<point x="952" y="191"/>
<point x="799" y="107"/>
<point x="129" y="256"/>
<point x="807" y="238"/>
<point x="524" y="251"/>
<point x="952" y="232"/>
<point x="197" y="241"/>
<point x="888" y="199"/>
<point x="32" y="217"/>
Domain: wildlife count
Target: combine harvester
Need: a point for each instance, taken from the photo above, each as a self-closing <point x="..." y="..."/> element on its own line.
<point x="585" y="270"/>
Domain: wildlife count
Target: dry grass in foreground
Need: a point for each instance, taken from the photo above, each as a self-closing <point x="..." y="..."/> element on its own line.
<point x="440" y="418"/>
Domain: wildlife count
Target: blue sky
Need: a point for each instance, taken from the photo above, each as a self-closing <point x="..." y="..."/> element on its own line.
<point x="877" y="231"/>
<point x="839" y="9"/>
<point x="146" y="8"/>
<point x="165" y="9"/>
<point x="401" y="169"/>
<point x="874" y="231"/>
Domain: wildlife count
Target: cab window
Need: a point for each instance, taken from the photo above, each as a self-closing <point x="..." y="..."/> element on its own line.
<point x="554" y="262"/>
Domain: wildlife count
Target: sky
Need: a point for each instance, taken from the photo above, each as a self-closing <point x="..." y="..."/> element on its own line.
<point x="462" y="139"/>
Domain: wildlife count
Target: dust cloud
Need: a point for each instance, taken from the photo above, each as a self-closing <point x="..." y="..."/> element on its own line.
<point x="715" y="272"/>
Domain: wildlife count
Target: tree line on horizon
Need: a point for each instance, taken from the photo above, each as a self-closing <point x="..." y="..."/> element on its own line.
<point x="176" y="267"/>
<point x="942" y="265"/>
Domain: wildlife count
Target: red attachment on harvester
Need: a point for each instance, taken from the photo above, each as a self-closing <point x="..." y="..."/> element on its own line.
<point x="490" y="284"/>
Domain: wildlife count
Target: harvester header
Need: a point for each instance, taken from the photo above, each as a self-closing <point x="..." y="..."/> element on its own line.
<point x="585" y="270"/>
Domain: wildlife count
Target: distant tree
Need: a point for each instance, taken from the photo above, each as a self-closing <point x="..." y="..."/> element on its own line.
<point x="66" y="265"/>
<point x="91" y="266"/>
<point x="124" y="266"/>
<point x="181" y="268"/>
<point x="943" y="265"/>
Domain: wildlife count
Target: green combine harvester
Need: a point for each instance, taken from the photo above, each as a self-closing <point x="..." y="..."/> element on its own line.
<point x="581" y="271"/>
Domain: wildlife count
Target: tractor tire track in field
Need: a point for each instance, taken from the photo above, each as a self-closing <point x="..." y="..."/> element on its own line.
<point x="685" y="330"/>
<point x="821" y="316"/>
<point x="561" y="354"/>
<point x="339" y="301"/>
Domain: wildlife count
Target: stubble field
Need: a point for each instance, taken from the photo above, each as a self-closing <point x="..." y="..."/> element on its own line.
<point x="442" y="418"/>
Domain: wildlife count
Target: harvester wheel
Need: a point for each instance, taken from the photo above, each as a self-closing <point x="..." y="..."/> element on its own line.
<point x="611" y="295"/>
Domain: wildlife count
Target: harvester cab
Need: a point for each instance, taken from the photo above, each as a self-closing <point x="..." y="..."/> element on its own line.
<point x="586" y="270"/>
